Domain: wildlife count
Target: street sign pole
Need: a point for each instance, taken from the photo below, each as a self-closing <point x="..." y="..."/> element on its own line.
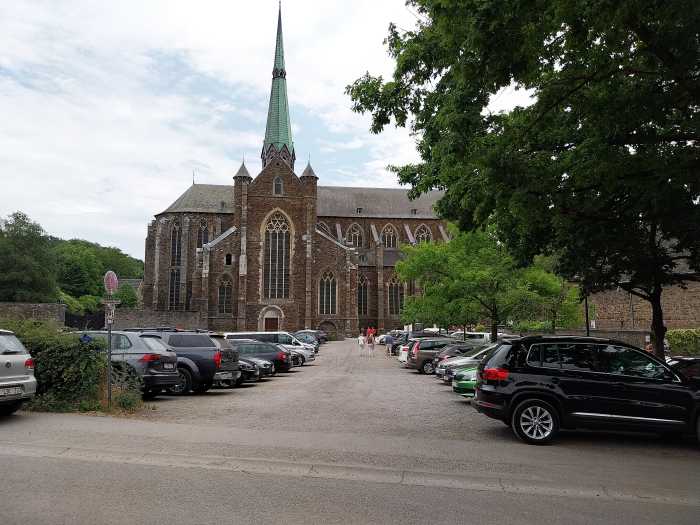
<point x="111" y="285"/>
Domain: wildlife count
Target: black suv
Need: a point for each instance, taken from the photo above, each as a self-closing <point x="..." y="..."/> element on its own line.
<point x="539" y="384"/>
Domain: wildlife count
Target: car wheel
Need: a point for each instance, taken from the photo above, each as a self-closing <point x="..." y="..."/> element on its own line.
<point x="10" y="408"/>
<point x="184" y="382"/>
<point x="302" y="360"/>
<point x="535" y="422"/>
<point x="428" y="368"/>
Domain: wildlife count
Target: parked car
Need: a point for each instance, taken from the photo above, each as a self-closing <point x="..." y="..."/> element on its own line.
<point x="222" y="343"/>
<point x="540" y="384"/>
<point x="309" y="339"/>
<point x="17" y="382"/>
<point x="688" y="366"/>
<point x="445" y="368"/>
<point x="422" y="353"/>
<point x="283" y="338"/>
<point x="457" y="350"/>
<point x="200" y="362"/>
<point x="402" y="339"/>
<point x="146" y="355"/>
<point x="297" y="359"/>
<point x="318" y="334"/>
<point x="464" y="382"/>
<point x="275" y="354"/>
<point x="249" y="371"/>
<point x="484" y="337"/>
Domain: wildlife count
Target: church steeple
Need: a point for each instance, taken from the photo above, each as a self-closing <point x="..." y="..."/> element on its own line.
<point x="278" y="133"/>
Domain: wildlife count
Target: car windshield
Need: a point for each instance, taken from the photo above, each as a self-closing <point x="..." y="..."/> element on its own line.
<point x="154" y="344"/>
<point x="9" y="344"/>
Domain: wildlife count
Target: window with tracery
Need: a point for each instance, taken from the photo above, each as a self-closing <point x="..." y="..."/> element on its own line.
<point x="396" y="294"/>
<point x="225" y="296"/>
<point x="423" y="234"/>
<point x="362" y="296"/>
<point x="389" y="237"/>
<point x="276" y="258"/>
<point x="175" y="246"/>
<point x="327" y="294"/>
<point x="174" y="290"/>
<point x="278" y="186"/>
<point x="356" y="236"/>
<point x="202" y="234"/>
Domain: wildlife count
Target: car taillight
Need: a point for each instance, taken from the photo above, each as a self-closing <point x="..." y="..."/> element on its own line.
<point x="217" y="359"/>
<point x="494" y="374"/>
<point x="149" y="358"/>
<point x="29" y="363"/>
<point x="281" y="356"/>
<point x="415" y="349"/>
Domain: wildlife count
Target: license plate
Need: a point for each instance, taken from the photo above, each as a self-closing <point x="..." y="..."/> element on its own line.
<point x="11" y="391"/>
<point x="169" y="365"/>
<point x="224" y="375"/>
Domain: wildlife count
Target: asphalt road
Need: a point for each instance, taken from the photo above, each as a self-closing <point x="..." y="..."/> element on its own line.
<point x="345" y="440"/>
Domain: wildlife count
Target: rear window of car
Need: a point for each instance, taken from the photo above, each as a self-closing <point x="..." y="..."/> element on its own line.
<point x="498" y="356"/>
<point x="9" y="344"/>
<point x="119" y="341"/>
<point x="155" y="344"/>
<point x="190" y="341"/>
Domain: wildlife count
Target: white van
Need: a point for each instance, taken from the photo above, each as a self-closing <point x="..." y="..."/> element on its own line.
<point x="285" y="339"/>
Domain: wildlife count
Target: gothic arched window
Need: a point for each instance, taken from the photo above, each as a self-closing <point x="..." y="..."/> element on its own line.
<point x="225" y="295"/>
<point x="356" y="236"/>
<point x="278" y="186"/>
<point x="175" y="246"/>
<point x="327" y="294"/>
<point x="228" y="261"/>
<point x="362" y="296"/>
<point x="276" y="258"/>
<point x="395" y="296"/>
<point x="174" y="290"/>
<point x="423" y="234"/>
<point x="202" y="234"/>
<point x="389" y="237"/>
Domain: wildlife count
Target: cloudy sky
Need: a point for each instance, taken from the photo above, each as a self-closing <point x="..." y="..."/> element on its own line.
<point x="108" y="107"/>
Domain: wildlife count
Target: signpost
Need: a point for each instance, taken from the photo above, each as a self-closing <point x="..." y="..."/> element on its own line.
<point x="111" y="283"/>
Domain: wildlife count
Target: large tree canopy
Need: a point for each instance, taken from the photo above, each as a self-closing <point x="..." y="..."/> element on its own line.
<point x="601" y="169"/>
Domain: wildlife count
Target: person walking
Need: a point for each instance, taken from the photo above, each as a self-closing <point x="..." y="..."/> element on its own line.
<point x="389" y="342"/>
<point x="370" y="344"/>
<point x="361" y="343"/>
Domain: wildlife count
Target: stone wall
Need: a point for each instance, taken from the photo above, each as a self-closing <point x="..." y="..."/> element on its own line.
<point x="140" y="318"/>
<point x="619" y="310"/>
<point x="39" y="311"/>
<point x="637" y="338"/>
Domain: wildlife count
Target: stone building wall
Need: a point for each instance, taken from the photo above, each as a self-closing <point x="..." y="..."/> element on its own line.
<point x="53" y="312"/>
<point x="142" y="318"/>
<point x="619" y="310"/>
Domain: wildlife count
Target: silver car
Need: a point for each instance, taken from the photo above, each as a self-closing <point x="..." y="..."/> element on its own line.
<point x="17" y="382"/>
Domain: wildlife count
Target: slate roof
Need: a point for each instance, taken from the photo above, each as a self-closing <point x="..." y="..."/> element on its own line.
<point x="204" y="198"/>
<point x="333" y="201"/>
<point x="342" y="201"/>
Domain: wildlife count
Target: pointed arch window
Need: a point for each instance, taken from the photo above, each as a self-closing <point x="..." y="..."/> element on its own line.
<point x="327" y="294"/>
<point x="389" y="237"/>
<point x="276" y="258"/>
<point x="225" y="296"/>
<point x="228" y="260"/>
<point x="174" y="290"/>
<point x="362" y="296"/>
<point x="202" y="234"/>
<point x="356" y="236"/>
<point x="175" y="246"/>
<point x="423" y="234"/>
<point x="396" y="296"/>
<point x="278" y="186"/>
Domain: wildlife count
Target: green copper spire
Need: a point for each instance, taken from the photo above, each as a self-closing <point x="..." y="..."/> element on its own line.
<point x="278" y="133"/>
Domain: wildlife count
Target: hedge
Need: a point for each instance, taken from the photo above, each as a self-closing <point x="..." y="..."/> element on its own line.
<point x="69" y="373"/>
<point x="684" y="342"/>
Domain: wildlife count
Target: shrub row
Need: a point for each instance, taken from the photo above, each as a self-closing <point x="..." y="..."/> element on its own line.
<point x="684" y="342"/>
<point x="69" y="372"/>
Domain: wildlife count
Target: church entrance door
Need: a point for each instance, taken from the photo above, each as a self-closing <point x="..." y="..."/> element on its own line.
<point x="272" y="324"/>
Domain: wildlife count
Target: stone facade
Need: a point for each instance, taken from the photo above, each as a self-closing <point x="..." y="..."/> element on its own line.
<point x="278" y="251"/>
<point x="53" y="312"/>
<point x="620" y="310"/>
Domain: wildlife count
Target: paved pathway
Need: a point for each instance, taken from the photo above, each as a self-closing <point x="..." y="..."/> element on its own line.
<point x="346" y="440"/>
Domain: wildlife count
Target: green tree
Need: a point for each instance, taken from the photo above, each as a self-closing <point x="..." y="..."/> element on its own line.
<point x="26" y="261"/>
<point x="127" y="295"/>
<point x="602" y="167"/>
<point x="79" y="270"/>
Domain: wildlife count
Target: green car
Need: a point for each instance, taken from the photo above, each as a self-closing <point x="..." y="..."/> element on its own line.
<point x="464" y="382"/>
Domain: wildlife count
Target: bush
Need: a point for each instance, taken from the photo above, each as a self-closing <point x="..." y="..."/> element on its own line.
<point x="128" y="400"/>
<point x="68" y="372"/>
<point x="684" y="342"/>
<point x="532" y="326"/>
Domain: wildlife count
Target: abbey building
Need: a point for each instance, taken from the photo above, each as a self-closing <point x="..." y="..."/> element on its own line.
<point x="278" y="251"/>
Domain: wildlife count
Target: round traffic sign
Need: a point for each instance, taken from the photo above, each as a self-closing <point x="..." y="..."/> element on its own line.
<point x="111" y="282"/>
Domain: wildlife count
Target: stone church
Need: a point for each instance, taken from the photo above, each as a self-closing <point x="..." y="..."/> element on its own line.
<point x="279" y="251"/>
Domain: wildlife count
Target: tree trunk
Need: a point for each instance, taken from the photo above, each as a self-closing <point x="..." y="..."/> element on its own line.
<point x="494" y="330"/>
<point x="464" y="335"/>
<point x="657" y="323"/>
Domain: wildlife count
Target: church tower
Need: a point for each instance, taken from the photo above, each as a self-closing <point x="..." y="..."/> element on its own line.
<point x="278" y="142"/>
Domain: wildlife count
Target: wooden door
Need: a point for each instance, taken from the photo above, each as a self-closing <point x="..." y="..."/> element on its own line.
<point x="271" y="324"/>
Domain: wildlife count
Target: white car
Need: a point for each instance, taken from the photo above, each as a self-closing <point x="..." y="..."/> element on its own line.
<point x="285" y="339"/>
<point x="17" y="382"/>
<point x="403" y="354"/>
<point x="474" y="358"/>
